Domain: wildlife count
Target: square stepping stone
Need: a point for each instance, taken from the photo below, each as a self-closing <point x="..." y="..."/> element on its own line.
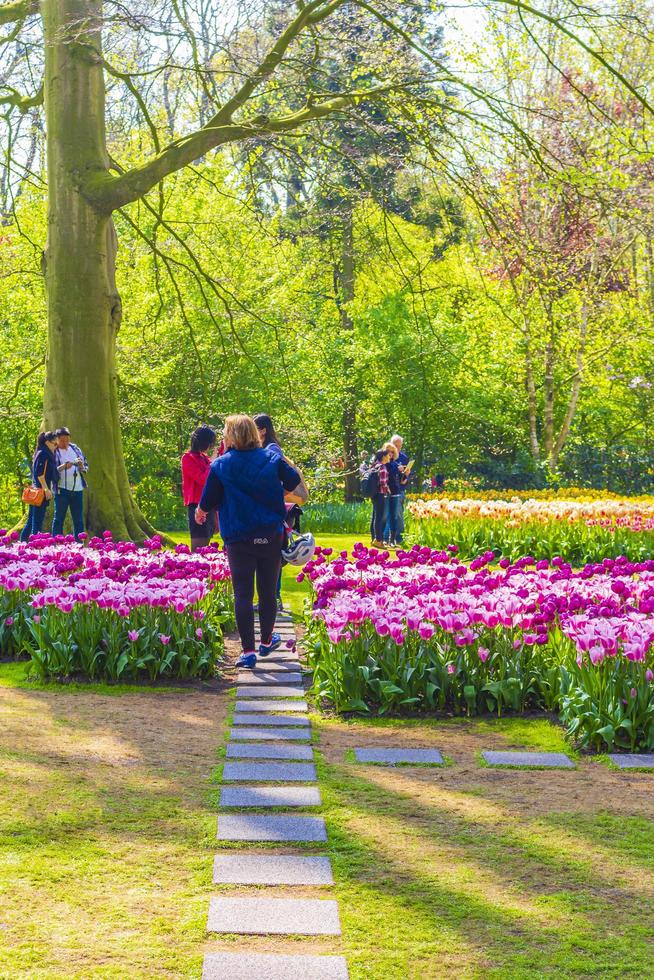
<point x="393" y="756"/>
<point x="269" y="772"/>
<point x="287" y="721"/>
<point x="246" y="750"/>
<point x="273" y="966"/>
<point x="282" y="827"/>
<point x="270" y="734"/>
<point x="271" y="869"/>
<point x="268" y="677"/>
<point x="270" y="691"/>
<point x="550" y="760"/>
<point x="281" y="666"/>
<point x="274" y="916"/>
<point x="267" y="796"/>
<point x="632" y="760"/>
<point x="267" y="706"/>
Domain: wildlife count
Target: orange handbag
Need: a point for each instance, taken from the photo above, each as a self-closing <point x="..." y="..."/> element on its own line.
<point x="33" y="496"/>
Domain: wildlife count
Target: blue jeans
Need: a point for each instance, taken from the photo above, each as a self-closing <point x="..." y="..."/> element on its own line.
<point x="379" y="516"/>
<point x="34" y="522"/>
<point x="64" y="499"/>
<point x="395" y="522"/>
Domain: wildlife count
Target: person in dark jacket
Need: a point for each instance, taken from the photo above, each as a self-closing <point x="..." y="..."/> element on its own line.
<point x="270" y="441"/>
<point x="195" y="470"/>
<point x="44" y="477"/>
<point x="384" y="459"/>
<point x="398" y="480"/>
<point x="247" y="485"/>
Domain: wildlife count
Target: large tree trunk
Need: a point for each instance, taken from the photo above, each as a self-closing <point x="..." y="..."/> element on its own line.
<point x="345" y="292"/>
<point x="84" y="307"/>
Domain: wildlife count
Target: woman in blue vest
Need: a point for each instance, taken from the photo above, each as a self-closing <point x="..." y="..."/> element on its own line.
<point x="247" y="484"/>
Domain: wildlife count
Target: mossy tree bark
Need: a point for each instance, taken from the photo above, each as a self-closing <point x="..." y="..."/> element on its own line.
<point x="345" y="292"/>
<point x="84" y="309"/>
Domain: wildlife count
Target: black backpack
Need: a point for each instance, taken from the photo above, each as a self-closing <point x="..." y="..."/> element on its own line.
<point x="370" y="482"/>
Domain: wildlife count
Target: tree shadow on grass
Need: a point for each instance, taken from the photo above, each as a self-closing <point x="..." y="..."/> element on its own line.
<point x="514" y="905"/>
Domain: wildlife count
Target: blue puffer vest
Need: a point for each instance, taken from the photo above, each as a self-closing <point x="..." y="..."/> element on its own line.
<point x="253" y="497"/>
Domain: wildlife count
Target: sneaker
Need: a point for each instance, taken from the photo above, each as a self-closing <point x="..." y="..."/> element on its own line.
<point x="248" y="660"/>
<point x="267" y="648"/>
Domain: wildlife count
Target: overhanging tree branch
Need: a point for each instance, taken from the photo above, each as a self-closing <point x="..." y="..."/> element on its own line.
<point x="21" y="102"/>
<point x="107" y="193"/>
<point x="11" y="12"/>
<point x="310" y="15"/>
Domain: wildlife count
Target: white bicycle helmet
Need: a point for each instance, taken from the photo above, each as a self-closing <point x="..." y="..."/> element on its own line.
<point x="300" y="548"/>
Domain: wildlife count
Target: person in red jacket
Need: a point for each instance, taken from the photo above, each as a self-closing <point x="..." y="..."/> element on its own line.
<point x="195" y="469"/>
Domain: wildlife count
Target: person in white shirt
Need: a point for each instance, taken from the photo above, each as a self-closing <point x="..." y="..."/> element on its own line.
<point x="69" y="494"/>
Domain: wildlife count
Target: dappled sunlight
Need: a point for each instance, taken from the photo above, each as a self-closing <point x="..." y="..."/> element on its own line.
<point x="411" y="847"/>
<point x="195" y="721"/>
<point x="473" y="877"/>
<point x="447" y="811"/>
<point x="105" y="828"/>
<point x="447" y="814"/>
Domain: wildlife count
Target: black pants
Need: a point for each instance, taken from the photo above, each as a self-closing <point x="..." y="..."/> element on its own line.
<point x="201" y="531"/>
<point x="248" y="561"/>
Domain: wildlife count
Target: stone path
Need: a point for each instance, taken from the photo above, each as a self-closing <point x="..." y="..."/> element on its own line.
<point x="247" y="750"/>
<point x="245" y="966"/>
<point x="270" y="713"/>
<point x="392" y="757"/>
<point x="275" y="734"/>
<point x="269" y="705"/>
<point x="630" y="760"/>
<point x="550" y="760"/>
<point x="241" y="718"/>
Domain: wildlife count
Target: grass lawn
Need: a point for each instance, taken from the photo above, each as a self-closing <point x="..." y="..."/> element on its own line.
<point x="472" y="872"/>
<point x="107" y="832"/>
<point x="107" y="820"/>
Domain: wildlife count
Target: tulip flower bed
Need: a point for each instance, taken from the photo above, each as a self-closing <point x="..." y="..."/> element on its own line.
<point x="422" y="631"/>
<point x="581" y="530"/>
<point x="111" y="610"/>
